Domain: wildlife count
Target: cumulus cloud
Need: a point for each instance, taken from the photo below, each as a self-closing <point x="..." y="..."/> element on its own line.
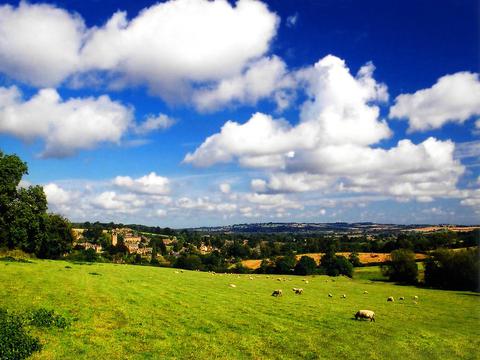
<point x="453" y="98"/>
<point x="337" y="111"/>
<point x="225" y="188"/>
<point x="267" y="77"/>
<point x="213" y="41"/>
<point x="152" y="184"/>
<point x="66" y="126"/>
<point x="333" y="147"/>
<point x="56" y="196"/>
<point x="39" y="44"/>
<point x="153" y="123"/>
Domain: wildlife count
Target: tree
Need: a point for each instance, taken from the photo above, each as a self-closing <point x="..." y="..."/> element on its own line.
<point x="402" y="267"/>
<point x="455" y="270"/>
<point x="305" y="266"/>
<point x="285" y="264"/>
<point x="354" y="259"/>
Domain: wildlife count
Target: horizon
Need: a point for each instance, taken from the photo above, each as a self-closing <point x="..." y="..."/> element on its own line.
<point x="251" y="112"/>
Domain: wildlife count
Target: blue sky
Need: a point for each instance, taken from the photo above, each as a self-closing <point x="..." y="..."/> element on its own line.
<point x="187" y="113"/>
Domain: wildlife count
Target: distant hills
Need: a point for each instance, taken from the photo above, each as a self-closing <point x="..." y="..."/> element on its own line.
<point x="337" y="227"/>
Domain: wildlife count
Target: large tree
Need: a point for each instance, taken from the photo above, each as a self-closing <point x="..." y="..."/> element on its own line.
<point x="24" y="222"/>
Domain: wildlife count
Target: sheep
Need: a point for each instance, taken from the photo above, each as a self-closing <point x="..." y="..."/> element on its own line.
<point x="176" y="272"/>
<point x="251" y="278"/>
<point x="277" y="292"/>
<point x="415" y="297"/>
<point x="306" y="281"/>
<point x="298" y="291"/>
<point x="401" y="298"/>
<point x="365" y="292"/>
<point x="390" y="298"/>
<point x="330" y="295"/>
<point x="365" y="314"/>
<point x="344" y="296"/>
<point x="278" y="279"/>
<point x="233" y="285"/>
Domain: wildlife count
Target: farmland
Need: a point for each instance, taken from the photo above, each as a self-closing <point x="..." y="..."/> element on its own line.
<point x="135" y="312"/>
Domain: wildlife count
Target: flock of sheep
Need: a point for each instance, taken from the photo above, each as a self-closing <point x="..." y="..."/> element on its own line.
<point x="360" y="314"/>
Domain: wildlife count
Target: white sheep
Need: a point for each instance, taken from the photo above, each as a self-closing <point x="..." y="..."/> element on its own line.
<point x="330" y="295"/>
<point x="344" y="296"/>
<point x="298" y="291"/>
<point x="415" y="297"/>
<point x="401" y="298"/>
<point x="365" y="292"/>
<point x="390" y="298"/>
<point x="233" y="285"/>
<point x="277" y="292"/>
<point x="365" y="314"/>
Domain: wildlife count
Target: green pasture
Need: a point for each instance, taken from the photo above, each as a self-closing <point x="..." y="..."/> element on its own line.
<point x="135" y="312"/>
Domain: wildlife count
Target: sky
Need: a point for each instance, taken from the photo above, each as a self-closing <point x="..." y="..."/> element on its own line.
<point x="188" y="113"/>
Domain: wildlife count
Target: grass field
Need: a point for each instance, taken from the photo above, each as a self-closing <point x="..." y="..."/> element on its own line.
<point x="134" y="312"/>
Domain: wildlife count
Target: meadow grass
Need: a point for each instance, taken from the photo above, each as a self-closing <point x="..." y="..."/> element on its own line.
<point x="135" y="312"/>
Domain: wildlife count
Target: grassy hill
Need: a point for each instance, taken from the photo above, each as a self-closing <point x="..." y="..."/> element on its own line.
<point x="134" y="312"/>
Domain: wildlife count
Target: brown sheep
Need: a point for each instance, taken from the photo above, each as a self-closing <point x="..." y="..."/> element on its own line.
<point x="365" y="314"/>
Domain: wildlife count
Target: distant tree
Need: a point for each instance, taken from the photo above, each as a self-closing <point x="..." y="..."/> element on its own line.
<point x="305" y="266"/>
<point x="402" y="267"/>
<point x="189" y="262"/>
<point x="285" y="264"/>
<point x="455" y="270"/>
<point x="354" y="259"/>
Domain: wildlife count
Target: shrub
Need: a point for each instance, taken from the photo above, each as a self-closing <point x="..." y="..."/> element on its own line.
<point x="15" y="343"/>
<point x="455" y="270"/>
<point x="336" y="265"/>
<point x="305" y="266"/>
<point x="44" y="318"/>
<point x="402" y="267"/>
<point x="285" y="264"/>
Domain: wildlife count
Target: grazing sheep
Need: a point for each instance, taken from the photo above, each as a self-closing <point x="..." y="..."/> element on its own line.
<point x="233" y="285"/>
<point x="344" y="296"/>
<point x="306" y="281"/>
<point x="251" y="278"/>
<point x="365" y="314"/>
<point x="278" y="279"/>
<point x="365" y="292"/>
<point x="277" y="292"/>
<point x="298" y="291"/>
<point x="268" y="277"/>
<point x="330" y="295"/>
<point x="415" y="297"/>
<point x="390" y="298"/>
<point x="176" y="272"/>
<point x="401" y="298"/>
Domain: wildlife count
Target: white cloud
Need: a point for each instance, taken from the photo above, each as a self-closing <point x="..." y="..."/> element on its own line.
<point x="338" y="111"/>
<point x="171" y="46"/>
<point x="292" y="20"/>
<point x="66" y="126"/>
<point x="56" y="196"/>
<point x="264" y="78"/>
<point x="332" y="147"/>
<point x="39" y="44"/>
<point x="225" y="188"/>
<point x="453" y="98"/>
<point x="149" y="184"/>
<point x="152" y="123"/>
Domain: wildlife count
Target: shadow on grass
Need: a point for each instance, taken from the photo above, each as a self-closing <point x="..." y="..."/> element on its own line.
<point x="12" y="259"/>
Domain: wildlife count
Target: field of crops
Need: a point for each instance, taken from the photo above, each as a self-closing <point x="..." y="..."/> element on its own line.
<point x="134" y="312"/>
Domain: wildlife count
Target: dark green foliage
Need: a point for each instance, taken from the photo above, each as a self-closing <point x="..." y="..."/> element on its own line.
<point x="455" y="270"/>
<point x="189" y="262"/>
<point x="285" y="264"/>
<point x="24" y="222"/>
<point x="354" y="259"/>
<point x="44" y="318"/>
<point x="305" y="266"/>
<point x="334" y="265"/>
<point x="402" y="267"/>
<point x="12" y="259"/>
<point x="15" y="343"/>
